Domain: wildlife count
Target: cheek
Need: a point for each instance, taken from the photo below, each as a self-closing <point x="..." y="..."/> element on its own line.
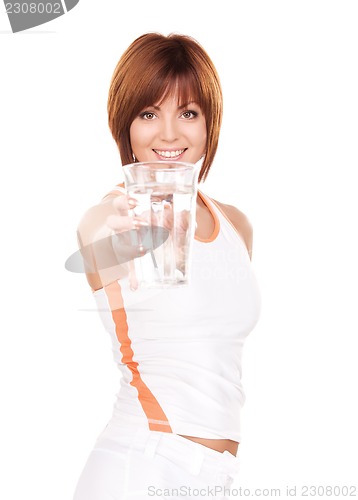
<point x="141" y="141"/>
<point x="201" y="137"/>
<point x="140" y="135"/>
<point x="134" y="135"/>
<point x="205" y="139"/>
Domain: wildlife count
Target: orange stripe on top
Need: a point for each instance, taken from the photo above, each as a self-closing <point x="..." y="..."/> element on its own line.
<point x="216" y="221"/>
<point x="157" y="419"/>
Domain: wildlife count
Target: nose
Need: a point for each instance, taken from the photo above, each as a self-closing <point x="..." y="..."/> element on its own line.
<point x="169" y="130"/>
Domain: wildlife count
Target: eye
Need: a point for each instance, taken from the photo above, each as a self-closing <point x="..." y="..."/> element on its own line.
<point x="189" y="115"/>
<point x="147" y="115"/>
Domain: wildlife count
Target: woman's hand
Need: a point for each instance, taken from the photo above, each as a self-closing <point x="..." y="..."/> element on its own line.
<point x="124" y="226"/>
<point x="107" y="240"/>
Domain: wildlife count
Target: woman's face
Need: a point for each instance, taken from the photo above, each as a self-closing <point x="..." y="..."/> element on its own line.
<point x="169" y="132"/>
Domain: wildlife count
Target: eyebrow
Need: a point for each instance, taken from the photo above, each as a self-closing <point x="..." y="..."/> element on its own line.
<point x="157" y="108"/>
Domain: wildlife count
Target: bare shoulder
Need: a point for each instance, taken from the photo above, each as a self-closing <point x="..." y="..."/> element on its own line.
<point x="241" y="223"/>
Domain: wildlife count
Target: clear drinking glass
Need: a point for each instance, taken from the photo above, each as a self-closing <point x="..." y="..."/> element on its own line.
<point x="166" y="192"/>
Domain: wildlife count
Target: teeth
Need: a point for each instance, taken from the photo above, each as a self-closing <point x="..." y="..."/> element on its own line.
<point x="169" y="154"/>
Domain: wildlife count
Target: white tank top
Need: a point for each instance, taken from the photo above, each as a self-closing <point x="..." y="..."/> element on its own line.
<point x="180" y="350"/>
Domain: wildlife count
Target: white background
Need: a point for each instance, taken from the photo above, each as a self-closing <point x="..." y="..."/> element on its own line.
<point x="287" y="158"/>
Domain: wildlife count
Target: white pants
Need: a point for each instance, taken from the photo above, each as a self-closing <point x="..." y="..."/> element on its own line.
<point x="136" y="463"/>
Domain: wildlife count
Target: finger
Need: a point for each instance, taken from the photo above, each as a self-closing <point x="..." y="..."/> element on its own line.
<point x="124" y="222"/>
<point x="133" y="280"/>
<point x="123" y="203"/>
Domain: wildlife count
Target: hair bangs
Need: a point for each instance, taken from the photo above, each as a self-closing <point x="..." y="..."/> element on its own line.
<point x="182" y="86"/>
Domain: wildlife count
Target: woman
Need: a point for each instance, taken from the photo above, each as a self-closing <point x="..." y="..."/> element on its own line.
<point x="176" y="420"/>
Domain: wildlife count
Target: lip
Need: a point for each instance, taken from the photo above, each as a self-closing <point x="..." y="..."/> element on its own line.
<point x="173" y="158"/>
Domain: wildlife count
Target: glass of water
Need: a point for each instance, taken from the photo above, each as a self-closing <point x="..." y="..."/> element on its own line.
<point x="166" y="192"/>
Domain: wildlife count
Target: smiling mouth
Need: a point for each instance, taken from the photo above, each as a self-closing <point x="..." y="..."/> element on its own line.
<point x="169" y="154"/>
